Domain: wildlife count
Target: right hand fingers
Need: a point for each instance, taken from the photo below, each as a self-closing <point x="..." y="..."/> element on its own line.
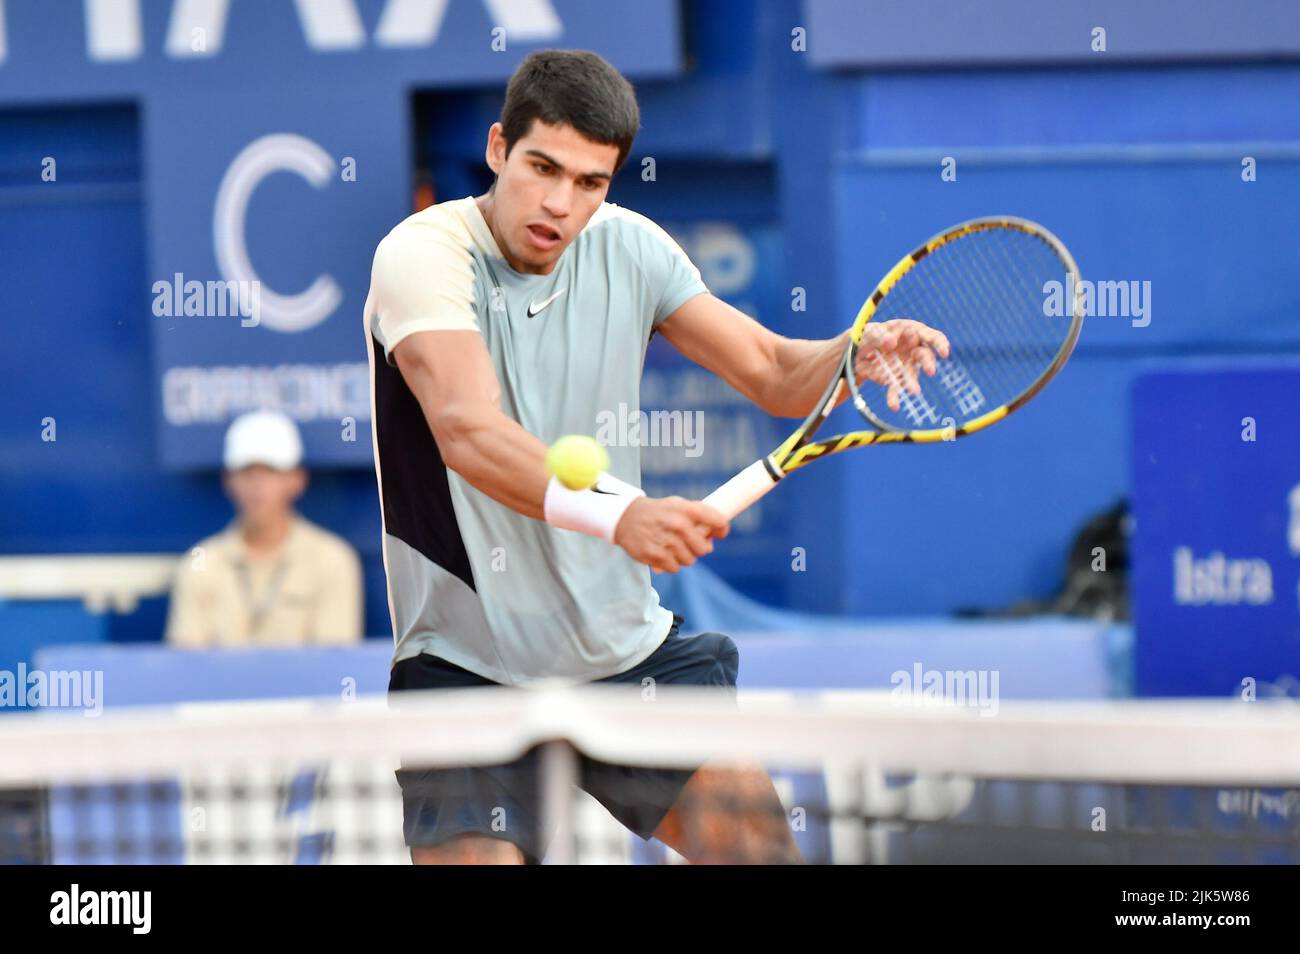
<point x="685" y="532"/>
<point x="681" y="548"/>
<point x="710" y="520"/>
<point x="664" y="564"/>
<point x="694" y="538"/>
<point x="697" y="541"/>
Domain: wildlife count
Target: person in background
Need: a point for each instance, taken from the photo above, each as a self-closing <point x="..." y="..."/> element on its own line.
<point x="271" y="578"/>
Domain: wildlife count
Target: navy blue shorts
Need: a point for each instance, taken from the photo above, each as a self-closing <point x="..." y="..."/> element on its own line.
<point x="501" y="801"/>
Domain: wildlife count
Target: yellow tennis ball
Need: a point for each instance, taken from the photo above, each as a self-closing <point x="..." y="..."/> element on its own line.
<point x="577" y="461"/>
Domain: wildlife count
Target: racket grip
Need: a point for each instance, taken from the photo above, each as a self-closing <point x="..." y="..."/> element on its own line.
<point x="741" y="491"/>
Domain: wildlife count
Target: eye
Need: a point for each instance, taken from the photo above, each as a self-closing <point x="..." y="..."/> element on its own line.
<point x="542" y="168"/>
<point x="590" y="184"/>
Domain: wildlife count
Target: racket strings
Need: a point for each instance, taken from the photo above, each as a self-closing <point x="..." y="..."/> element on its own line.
<point x="1007" y="358"/>
<point x="986" y="291"/>
<point x="1038" y="348"/>
<point x="942" y="295"/>
<point x="946" y="294"/>
<point x="888" y="370"/>
<point x="997" y="356"/>
<point x="1018" y="338"/>
<point x="917" y="410"/>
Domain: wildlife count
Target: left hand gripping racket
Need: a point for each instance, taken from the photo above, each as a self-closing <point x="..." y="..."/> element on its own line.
<point x="987" y="284"/>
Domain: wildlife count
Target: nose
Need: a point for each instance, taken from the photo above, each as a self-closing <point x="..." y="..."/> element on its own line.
<point x="558" y="200"/>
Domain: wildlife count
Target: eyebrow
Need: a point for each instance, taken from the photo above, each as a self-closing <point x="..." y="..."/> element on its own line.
<point x="559" y="165"/>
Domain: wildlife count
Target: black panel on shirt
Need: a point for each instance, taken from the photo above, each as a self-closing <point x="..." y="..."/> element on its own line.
<point x="417" y="498"/>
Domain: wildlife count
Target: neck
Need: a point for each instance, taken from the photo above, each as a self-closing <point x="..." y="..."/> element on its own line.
<point x="489" y="216"/>
<point x="267" y="537"/>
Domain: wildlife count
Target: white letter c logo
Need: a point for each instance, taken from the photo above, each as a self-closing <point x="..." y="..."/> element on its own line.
<point x="275" y="153"/>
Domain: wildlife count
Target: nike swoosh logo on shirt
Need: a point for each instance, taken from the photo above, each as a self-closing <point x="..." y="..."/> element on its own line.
<point x="534" y="309"/>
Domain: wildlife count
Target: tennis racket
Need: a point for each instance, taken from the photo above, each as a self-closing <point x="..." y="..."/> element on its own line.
<point x="984" y="284"/>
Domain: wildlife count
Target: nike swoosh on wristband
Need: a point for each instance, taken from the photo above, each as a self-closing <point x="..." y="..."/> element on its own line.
<point x="534" y="309"/>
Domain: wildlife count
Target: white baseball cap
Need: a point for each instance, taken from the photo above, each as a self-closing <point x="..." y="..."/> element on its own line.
<point x="263" y="437"/>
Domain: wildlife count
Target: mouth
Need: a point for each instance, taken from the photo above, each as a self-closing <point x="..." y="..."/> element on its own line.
<point x="543" y="237"/>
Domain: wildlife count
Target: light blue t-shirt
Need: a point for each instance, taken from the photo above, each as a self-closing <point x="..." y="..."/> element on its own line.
<point x="470" y="580"/>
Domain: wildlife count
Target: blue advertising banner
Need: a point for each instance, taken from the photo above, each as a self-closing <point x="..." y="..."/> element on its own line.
<point x="277" y="155"/>
<point x="909" y="33"/>
<point x="102" y="49"/>
<point x="1216" y="547"/>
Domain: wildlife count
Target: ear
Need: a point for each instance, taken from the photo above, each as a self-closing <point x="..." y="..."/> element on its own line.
<point x="301" y="482"/>
<point x="495" y="154"/>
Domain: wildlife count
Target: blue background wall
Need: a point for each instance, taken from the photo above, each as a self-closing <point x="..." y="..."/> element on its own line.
<point x="833" y="172"/>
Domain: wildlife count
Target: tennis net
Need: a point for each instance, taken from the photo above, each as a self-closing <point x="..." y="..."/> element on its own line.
<point x="861" y="777"/>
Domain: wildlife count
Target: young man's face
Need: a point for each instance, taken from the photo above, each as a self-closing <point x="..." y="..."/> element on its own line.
<point x="263" y="495"/>
<point x="552" y="182"/>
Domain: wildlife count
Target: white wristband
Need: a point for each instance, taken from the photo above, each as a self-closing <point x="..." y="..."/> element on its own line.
<point x="586" y="511"/>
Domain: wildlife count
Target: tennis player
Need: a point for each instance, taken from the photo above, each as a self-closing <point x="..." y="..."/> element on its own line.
<point x="495" y="325"/>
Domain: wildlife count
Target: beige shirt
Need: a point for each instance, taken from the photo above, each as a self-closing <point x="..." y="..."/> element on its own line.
<point x="307" y="593"/>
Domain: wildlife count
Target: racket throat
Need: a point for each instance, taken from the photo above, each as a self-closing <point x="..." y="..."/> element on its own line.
<point x="835" y="399"/>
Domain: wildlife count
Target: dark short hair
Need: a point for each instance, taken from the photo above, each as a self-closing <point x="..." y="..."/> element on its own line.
<point x="573" y="87"/>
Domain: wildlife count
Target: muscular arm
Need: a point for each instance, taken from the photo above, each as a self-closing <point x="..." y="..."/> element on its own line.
<point x="787" y="376"/>
<point x="803" y="370"/>
<point x="451" y="375"/>
<point x="783" y="376"/>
